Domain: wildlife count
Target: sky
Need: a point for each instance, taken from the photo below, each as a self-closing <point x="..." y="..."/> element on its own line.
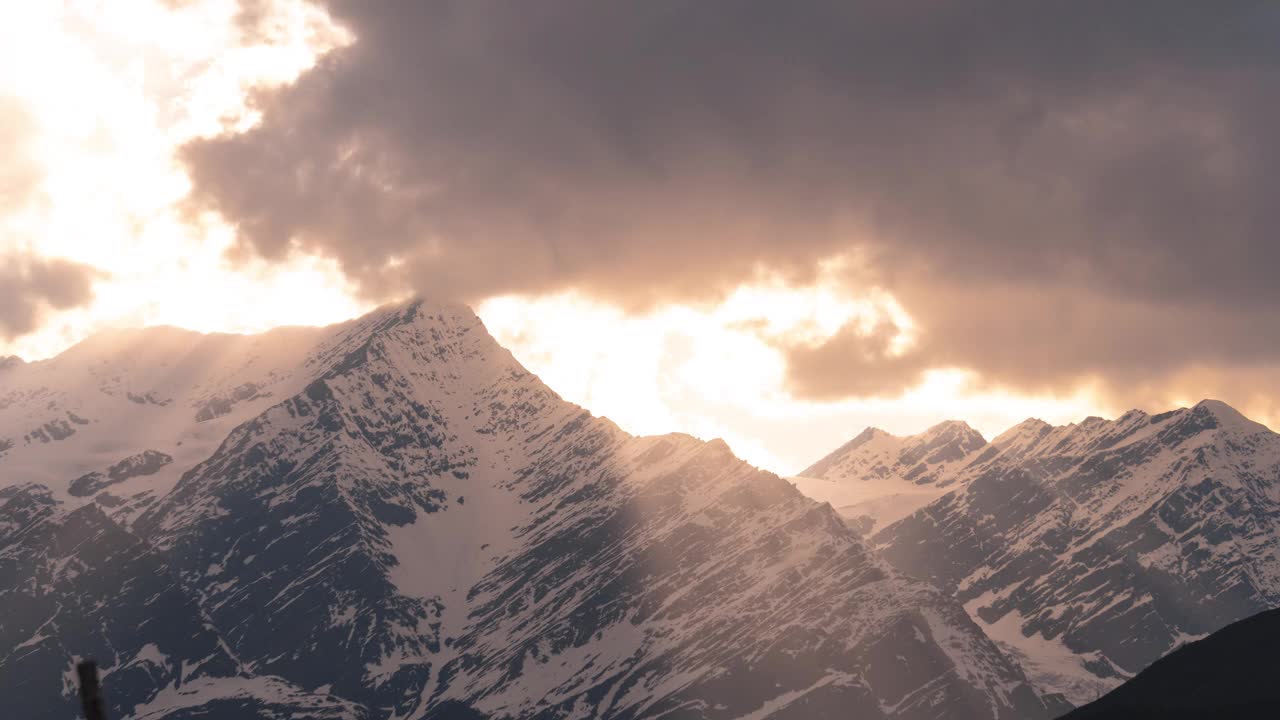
<point x="775" y="223"/>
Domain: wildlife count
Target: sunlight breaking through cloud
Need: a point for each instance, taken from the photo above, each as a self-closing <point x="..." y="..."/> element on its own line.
<point x="718" y="371"/>
<point x="105" y="94"/>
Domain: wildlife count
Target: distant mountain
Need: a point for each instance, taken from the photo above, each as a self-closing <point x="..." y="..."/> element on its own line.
<point x="1230" y="674"/>
<point x="1091" y="550"/>
<point x="877" y="478"/>
<point x="392" y="518"/>
<point x="924" y="459"/>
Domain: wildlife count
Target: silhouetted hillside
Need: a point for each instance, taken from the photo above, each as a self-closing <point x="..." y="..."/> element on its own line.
<point x="1233" y="673"/>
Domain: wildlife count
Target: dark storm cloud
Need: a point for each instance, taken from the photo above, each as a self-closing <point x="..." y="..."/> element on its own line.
<point x="29" y="287"/>
<point x="1087" y="184"/>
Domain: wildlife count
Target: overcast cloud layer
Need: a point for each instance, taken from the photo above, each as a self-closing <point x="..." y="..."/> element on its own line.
<point x="1055" y="191"/>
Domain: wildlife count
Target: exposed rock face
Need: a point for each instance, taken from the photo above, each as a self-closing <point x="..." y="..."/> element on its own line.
<point x="1091" y="550"/>
<point x="50" y="432"/>
<point x="73" y="584"/>
<point x="144" y="463"/>
<point x="415" y="526"/>
<point x="222" y="403"/>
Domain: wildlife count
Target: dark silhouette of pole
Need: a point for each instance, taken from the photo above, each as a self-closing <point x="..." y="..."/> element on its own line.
<point x="90" y="693"/>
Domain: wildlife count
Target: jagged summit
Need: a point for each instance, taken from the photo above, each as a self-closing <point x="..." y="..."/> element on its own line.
<point x="1033" y="433"/>
<point x="951" y="427"/>
<point x="914" y="458"/>
<point x="868" y="434"/>
<point x="1024" y="433"/>
<point x="1064" y="539"/>
<point x="871" y="431"/>
<point x="877" y="477"/>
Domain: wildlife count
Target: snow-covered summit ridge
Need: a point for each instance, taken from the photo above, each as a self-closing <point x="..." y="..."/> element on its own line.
<point x="1107" y="542"/>
<point x="878" y="478"/>
<point x="180" y="392"/>
<point x="953" y="444"/>
<point x="918" y="459"/>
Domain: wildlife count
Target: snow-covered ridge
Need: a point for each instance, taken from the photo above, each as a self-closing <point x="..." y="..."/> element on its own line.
<point x="393" y="518"/>
<point x="878" y="478"/>
<point x="1092" y="549"/>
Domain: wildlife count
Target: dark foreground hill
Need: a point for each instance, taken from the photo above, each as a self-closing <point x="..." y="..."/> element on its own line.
<point x="1233" y="673"/>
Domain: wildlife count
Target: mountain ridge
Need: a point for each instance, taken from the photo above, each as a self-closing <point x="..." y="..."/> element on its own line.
<point x="402" y="495"/>
<point x="1091" y="549"/>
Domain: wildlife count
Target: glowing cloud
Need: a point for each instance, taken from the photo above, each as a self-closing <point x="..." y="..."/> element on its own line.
<point x="103" y="94"/>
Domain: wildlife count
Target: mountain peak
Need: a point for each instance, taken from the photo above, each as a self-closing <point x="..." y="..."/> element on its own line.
<point x="955" y="425"/>
<point x="1029" y="428"/>
<point x="872" y="432"/>
<point x="418" y="309"/>
<point x="1225" y="415"/>
<point x="868" y="435"/>
<point x="1219" y="409"/>
<point x="953" y="429"/>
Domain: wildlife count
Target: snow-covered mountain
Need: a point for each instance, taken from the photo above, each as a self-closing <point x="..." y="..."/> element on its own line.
<point x="1091" y="550"/>
<point x="877" y="478"/>
<point x="391" y="518"/>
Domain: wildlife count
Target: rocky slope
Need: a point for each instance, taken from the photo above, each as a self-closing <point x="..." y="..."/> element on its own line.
<point x="1091" y="550"/>
<point x="74" y="584"/>
<point x="392" y="518"/>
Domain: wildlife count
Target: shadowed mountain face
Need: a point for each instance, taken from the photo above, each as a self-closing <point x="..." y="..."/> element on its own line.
<point x="1230" y="674"/>
<point x="76" y="584"/>
<point x="397" y="520"/>
<point x="1091" y="550"/>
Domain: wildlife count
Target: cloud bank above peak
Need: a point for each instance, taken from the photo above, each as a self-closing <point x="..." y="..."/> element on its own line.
<point x="1055" y="193"/>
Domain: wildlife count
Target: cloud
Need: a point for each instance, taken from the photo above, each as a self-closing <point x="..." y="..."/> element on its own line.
<point x="1047" y="339"/>
<point x="31" y="286"/>
<point x="1054" y="192"/>
<point x="858" y="363"/>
